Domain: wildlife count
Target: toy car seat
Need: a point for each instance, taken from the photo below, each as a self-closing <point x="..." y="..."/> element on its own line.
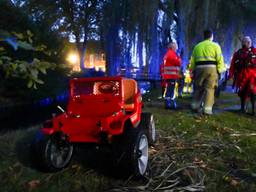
<point x="129" y="91"/>
<point x="96" y="90"/>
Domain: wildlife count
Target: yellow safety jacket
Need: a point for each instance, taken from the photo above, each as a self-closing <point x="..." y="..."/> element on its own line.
<point x="207" y="54"/>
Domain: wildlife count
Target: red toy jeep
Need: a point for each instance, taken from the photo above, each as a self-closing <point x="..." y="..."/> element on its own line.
<point x="103" y="111"/>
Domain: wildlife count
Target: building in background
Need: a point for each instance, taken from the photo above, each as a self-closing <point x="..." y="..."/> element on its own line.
<point x="94" y="58"/>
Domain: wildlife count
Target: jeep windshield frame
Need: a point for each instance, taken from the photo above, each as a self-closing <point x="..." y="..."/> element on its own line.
<point x="96" y="87"/>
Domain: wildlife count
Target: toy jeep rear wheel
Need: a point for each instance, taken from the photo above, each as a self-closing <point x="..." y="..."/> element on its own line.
<point x="54" y="152"/>
<point x="148" y="123"/>
<point x="136" y="151"/>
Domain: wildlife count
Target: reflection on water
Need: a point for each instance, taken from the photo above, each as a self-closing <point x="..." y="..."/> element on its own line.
<point x="62" y="98"/>
<point x="144" y="86"/>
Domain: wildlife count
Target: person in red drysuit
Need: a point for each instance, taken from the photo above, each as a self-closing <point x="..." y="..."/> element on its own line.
<point x="163" y="81"/>
<point x="170" y="74"/>
<point x="243" y="72"/>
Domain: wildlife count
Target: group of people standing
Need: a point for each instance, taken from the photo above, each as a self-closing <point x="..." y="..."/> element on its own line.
<point x="207" y="64"/>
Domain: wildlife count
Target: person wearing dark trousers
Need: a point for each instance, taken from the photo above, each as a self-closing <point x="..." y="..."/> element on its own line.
<point x="181" y="83"/>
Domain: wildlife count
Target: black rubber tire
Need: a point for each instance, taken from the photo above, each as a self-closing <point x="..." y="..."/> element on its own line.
<point x="44" y="150"/>
<point x="148" y="123"/>
<point x="135" y="159"/>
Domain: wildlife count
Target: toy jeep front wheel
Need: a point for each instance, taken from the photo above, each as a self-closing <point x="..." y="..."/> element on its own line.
<point x="141" y="154"/>
<point x="54" y="152"/>
<point x="136" y="151"/>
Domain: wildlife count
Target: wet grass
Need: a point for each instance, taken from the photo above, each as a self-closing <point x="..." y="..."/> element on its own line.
<point x="223" y="146"/>
<point x="225" y="142"/>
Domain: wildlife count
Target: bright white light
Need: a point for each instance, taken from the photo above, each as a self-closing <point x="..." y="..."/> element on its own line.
<point x="72" y="58"/>
<point x="173" y="28"/>
<point x="160" y="18"/>
<point x="134" y="55"/>
<point x="121" y="34"/>
<point x="144" y="54"/>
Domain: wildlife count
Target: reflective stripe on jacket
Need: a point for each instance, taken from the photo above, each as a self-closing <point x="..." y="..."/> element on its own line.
<point x="171" y="70"/>
<point x="171" y="65"/>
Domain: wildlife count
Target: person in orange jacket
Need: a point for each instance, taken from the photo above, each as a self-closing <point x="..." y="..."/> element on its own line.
<point x="170" y="74"/>
<point x="243" y="72"/>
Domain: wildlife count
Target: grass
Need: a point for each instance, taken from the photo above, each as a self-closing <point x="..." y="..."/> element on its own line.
<point x="220" y="147"/>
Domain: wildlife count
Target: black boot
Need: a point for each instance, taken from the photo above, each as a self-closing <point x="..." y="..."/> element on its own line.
<point x="253" y="103"/>
<point x="242" y="104"/>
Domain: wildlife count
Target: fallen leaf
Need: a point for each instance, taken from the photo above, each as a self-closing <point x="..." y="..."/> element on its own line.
<point x="75" y="166"/>
<point x="234" y="182"/>
<point x="238" y="148"/>
<point x="33" y="184"/>
<point x="180" y="144"/>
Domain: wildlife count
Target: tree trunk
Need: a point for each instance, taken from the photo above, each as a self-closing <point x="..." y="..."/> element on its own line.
<point x="82" y="54"/>
<point x="112" y="49"/>
<point x="154" y="59"/>
<point x="221" y="16"/>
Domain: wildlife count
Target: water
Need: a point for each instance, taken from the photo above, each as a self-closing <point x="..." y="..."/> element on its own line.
<point x="144" y="87"/>
<point x="21" y="116"/>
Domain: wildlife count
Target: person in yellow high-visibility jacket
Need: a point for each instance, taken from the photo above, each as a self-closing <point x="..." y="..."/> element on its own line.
<point x="206" y="63"/>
